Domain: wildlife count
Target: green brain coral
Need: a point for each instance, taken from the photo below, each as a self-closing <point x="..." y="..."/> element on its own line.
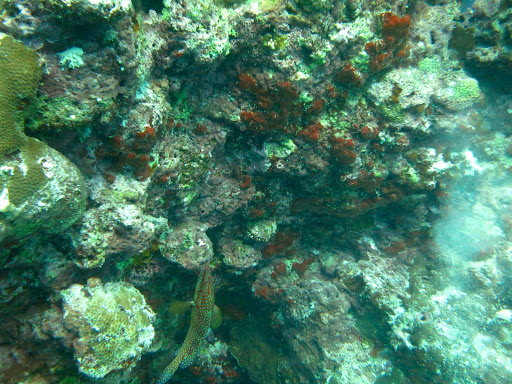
<point x="19" y="78"/>
<point x="39" y="189"/>
<point x="24" y="178"/>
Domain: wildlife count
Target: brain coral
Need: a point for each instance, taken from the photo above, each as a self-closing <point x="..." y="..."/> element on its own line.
<point x="39" y="187"/>
<point x="19" y="77"/>
<point x="113" y="324"/>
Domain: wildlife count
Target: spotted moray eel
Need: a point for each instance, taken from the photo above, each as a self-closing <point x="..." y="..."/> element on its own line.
<point x="202" y="314"/>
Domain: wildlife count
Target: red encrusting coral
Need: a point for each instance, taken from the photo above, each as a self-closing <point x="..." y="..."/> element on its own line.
<point x="365" y="181"/>
<point x="246" y="182"/>
<point x="149" y="132"/>
<point x="317" y="106"/>
<point x="394" y="26"/>
<point x="369" y="132"/>
<point x="279" y="269"/>
<point x="269" y="293"/>
<point x="256" y="213"/>
<point x="343" y="150"/>
<point x="349" y="75"/>
<point x="302" y="267"/>
<point x="110" y="177"/>
<point x="230" y="372"/>
<point x="164" y="179"/>
<point x="196" y="370"/>
<point x="132" y="153"/>
<point x="200" y="129"/>
<point x="311" y="132"/>
<point x="336" y="98"/>
<point x="403" y="141"/>
<point x="279" y="109"/>
<point x="279" y="244"/>
<point x="263" y="291"/>
<point x="395" y="247"/>
<point x="393" y="46"/>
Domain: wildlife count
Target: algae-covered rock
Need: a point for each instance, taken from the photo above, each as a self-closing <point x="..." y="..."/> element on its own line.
<point x="210" y="28"/>
<point x="188" y="244"/>
<point x="116" y="229"/>
<point x="238" y="254"/>
<point x="262" y="230"/>
<point x="254" y="350"/>
<point x="433" y="82"/>
<point x="91" y="10"/>
<point x="39" y="187"/>
<point x="113" y="324"/>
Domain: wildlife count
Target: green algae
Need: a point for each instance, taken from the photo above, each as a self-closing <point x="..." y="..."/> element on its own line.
<point x="61" y="112"/>
<point x="392" y="111"/>
<point x="275" y="42"/>
<point x="280" y="150"/>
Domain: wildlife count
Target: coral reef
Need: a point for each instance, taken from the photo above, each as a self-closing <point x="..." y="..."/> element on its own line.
<point x="342" y="167"/>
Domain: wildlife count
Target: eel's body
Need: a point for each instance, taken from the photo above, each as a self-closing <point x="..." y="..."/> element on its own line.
<point x="201" y="318"/>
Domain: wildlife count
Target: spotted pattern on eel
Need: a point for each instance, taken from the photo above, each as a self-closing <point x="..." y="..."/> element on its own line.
<point x="200" y="320"/>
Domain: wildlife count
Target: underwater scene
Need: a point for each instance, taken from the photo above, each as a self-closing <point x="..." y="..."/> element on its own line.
<point x="256" y="191"/>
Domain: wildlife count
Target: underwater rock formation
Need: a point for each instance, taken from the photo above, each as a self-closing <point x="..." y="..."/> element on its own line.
<point x="188" y="245"/>
<point x="111" y="229"/>
<point x="42" y="191"/>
